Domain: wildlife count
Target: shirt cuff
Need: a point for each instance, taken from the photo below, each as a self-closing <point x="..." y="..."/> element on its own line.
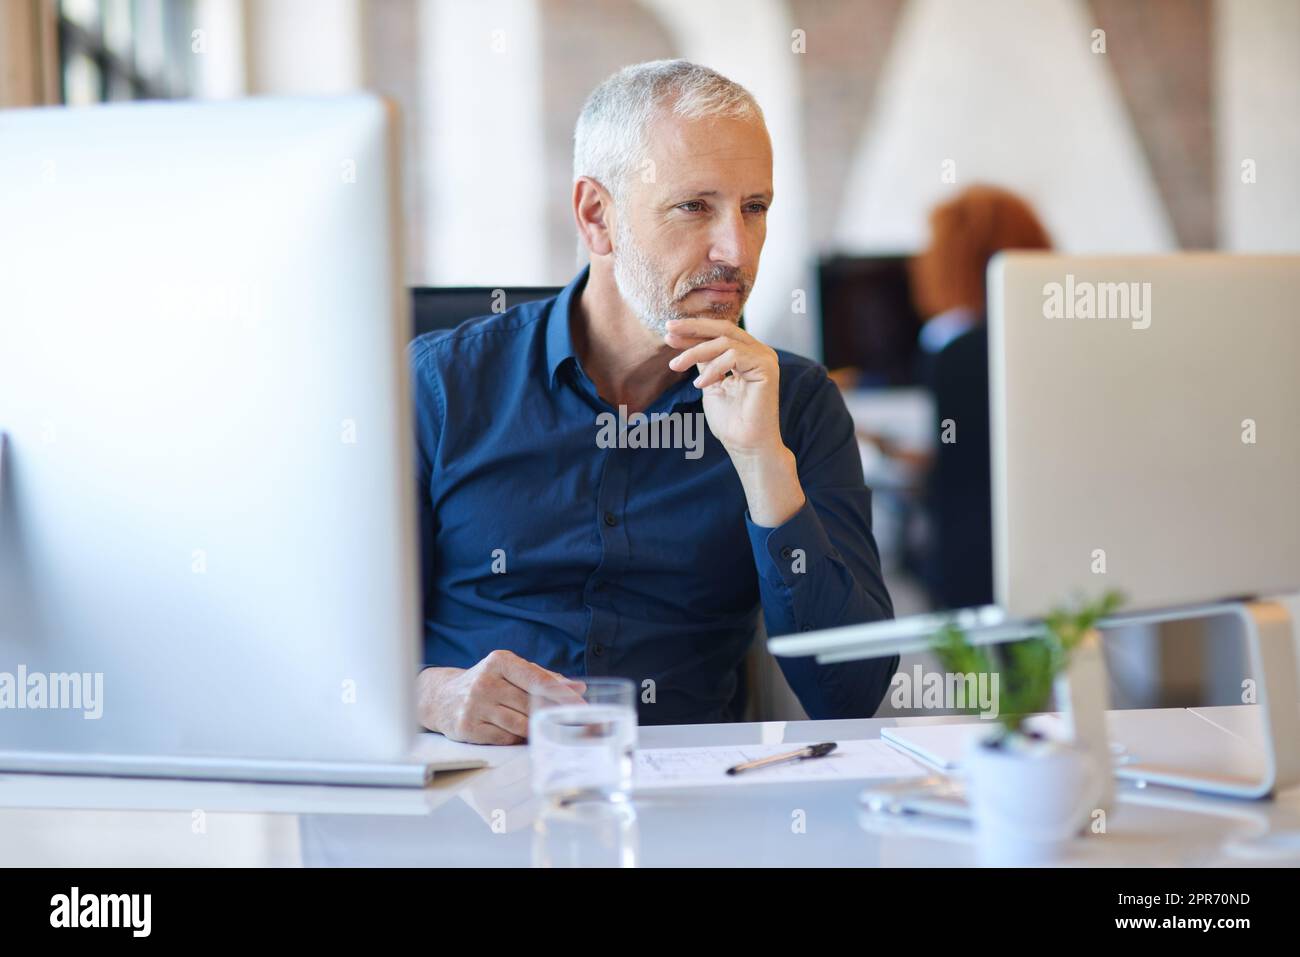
<point x="784" y="554"/>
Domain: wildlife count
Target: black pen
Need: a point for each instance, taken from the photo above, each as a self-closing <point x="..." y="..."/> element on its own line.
<point x="803" y="754"/>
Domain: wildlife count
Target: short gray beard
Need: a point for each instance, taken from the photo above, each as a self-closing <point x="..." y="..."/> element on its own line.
<point x="639" y="284"/>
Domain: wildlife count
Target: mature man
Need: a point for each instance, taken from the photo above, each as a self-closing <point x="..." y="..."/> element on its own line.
<point x="549" y="550"/>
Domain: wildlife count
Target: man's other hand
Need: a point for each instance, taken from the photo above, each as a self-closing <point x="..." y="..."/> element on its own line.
<point x="485" y="704"/>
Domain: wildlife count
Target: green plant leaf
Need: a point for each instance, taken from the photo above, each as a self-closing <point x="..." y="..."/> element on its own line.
<point x="1026" y="669"/>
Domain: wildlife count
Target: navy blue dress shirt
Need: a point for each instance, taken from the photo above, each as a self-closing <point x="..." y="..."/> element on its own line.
<point x="636" y="562"/>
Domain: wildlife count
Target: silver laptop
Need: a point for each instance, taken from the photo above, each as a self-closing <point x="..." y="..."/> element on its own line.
<point x="207" y="533"/>
<point x="1145" y="421"/>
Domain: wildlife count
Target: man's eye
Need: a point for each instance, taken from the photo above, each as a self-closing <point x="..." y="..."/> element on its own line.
<point x="695" y="204"/>
<point x="758" y="207"/>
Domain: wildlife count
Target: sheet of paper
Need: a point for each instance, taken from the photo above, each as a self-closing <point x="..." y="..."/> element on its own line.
<point x="658" y="768"/>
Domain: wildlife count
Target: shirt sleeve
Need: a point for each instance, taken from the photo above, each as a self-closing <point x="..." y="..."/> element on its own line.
<point x="821" y="568"/>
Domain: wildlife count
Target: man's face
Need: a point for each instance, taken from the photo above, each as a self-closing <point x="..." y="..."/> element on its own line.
<point x="689" y="229"/>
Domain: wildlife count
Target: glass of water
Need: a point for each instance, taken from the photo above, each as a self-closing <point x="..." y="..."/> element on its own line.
<point x="580" y="739"/>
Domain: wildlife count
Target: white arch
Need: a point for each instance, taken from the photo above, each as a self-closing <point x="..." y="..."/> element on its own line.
<point x="483" y="144"/>
<point x="1012" y="93"/>
<point x="294" y="46"/>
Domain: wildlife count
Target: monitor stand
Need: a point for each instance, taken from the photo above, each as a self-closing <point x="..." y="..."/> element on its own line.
<point x="1081" y="691"/>
<point x="1271" y="653"/>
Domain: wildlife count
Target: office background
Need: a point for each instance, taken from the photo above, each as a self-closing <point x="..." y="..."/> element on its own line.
<point x="1131" y="127"/>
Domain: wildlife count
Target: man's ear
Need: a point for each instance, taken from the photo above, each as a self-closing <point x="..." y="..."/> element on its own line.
<point x="591" y="206"/>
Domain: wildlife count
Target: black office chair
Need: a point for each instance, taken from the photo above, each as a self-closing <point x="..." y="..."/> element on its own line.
<point x="436" y="308"/>
<point x="445" y="307"/>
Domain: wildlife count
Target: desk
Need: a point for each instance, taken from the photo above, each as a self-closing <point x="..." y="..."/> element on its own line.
<point x="488" y="817"/>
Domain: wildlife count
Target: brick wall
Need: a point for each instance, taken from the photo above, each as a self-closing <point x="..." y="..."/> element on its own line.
<point x="1159" y="51"/>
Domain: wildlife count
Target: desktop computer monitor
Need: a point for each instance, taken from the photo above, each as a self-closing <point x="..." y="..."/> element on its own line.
<point x="868" y="319"/>
<point x="207" y="529"/>
<point x="1145" y="426"/>
<point x="1145" y="421"/>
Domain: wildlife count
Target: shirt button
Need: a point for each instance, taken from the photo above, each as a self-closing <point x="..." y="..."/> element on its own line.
<point x="598" y="586"/>
<point x="611" y="519"/>
<point x="787" y="552"/>
<point x="597" y="650"/>
<point x="805" y="627"/>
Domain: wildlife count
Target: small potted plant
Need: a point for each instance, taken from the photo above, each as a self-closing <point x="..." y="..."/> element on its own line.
<point x="1028" y="793"/>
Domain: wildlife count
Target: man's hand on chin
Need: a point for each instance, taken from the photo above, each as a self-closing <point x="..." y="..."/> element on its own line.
<point x="740" y="379"/>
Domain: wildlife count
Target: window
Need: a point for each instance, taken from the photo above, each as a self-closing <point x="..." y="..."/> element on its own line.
<point x="125" y="50"/>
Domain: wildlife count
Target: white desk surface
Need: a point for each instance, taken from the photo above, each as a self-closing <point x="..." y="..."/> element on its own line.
<point x="488" y="817"/>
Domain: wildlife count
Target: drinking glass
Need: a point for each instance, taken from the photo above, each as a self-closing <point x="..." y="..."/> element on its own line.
<point x="581" y="734"/>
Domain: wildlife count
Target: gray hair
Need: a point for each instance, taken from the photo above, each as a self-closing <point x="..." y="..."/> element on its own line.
<point x="610" y="138"/>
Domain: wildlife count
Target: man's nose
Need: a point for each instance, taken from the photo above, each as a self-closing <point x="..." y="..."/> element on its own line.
<point x="730" y="241"/>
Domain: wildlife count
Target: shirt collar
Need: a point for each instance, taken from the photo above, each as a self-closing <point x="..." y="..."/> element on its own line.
<point x="559" y="341"/>
<point x="943" y="328"/>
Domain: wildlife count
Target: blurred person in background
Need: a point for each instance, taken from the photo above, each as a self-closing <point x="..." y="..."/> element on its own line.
<point x="948" y="289"/>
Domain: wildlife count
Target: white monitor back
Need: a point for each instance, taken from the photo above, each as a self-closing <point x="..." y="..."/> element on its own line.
<point x="207" y="493"/>
<point x="1156" y="451"/>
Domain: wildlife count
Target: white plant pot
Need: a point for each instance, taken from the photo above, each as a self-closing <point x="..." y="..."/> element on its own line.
<point x="1029" y="798"/>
